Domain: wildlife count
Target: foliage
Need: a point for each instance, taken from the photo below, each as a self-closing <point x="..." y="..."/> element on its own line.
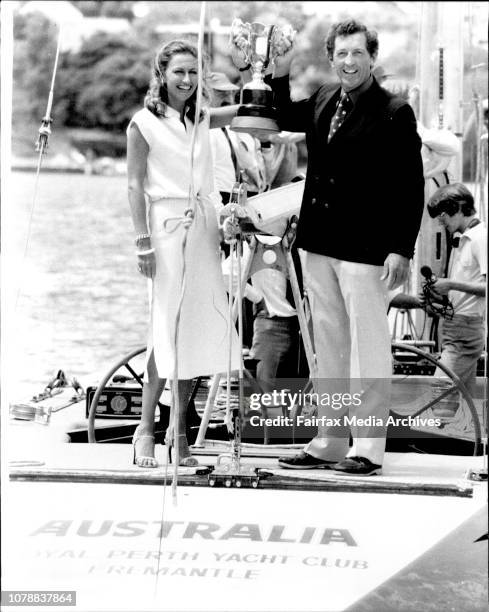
<point x="34" y="55"/>
<point x="104" y="83"/>
<point x="270" y="12"/>
<point x="107" y="8"/>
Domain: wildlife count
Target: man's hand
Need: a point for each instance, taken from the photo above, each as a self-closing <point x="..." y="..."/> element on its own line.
<point x="230" y="229"/>
<point x="441" y="286"/>
<point x="426" y="305"/>
<point x="230" y="226"/>
<point x="396" y="270"/>
<point x="285" y="138"/>
<point x="405" y="301"/>
<point x="281" y="63"/>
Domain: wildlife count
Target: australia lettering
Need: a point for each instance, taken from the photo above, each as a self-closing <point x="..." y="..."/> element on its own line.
<point x="252" y="532"/>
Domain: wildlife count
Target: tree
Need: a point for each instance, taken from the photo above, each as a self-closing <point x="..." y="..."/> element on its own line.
<point x="118" y="85"/>
<point x="107" y="8"/>
<point x="103" y="84"/>
<point x="35" y="40"/>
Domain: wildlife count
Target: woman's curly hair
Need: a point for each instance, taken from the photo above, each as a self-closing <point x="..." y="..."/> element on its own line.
<point x="156" y="99"/>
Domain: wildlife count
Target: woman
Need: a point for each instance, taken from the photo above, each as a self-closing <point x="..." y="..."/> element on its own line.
<point x="159" y="175"/>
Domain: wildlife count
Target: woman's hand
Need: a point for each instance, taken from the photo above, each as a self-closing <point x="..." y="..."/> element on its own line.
<point x="146" y="262"/>
<point x="239" y="43"/>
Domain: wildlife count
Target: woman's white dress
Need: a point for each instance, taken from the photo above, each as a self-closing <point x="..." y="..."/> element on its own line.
<point x="204" y="333"/>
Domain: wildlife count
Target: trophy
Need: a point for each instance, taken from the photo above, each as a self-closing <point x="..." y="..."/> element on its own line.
<point x="260" y="44"/>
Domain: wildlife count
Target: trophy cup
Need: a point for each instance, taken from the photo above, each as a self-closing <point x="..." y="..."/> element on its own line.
<point x="260" y="44"/>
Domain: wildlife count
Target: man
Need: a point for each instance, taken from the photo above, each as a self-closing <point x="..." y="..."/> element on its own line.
<point x="276" y="326"/>
<point x="462" y="336"/>
<point x="360" y="216"/>
<point x="276" y="341"/>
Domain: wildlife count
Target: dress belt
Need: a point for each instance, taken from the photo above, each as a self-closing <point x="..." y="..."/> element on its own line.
<point x="187" y="218"/>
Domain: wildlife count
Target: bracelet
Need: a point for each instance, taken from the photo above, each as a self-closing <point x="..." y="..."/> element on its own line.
<point x="147" y="252"/>
<point x="247" y="67"/>
<point x="140" y="237"/>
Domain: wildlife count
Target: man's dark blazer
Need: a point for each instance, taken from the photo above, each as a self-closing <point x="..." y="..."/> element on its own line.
<point x="364" y="191"/>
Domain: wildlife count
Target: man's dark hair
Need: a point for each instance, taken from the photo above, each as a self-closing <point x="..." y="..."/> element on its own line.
<point x="347" y="28"/>
<point x="451" y="199"/>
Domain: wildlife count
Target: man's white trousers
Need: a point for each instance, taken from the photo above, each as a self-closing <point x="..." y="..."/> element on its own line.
<point x="353" y="349"/>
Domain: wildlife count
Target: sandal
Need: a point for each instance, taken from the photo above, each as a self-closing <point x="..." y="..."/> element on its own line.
<point x="142" y="460"/>
<point x="188" y="461"/>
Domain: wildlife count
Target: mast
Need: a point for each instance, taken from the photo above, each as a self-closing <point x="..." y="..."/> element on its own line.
<point x="451" y="34"/>
<point x="440" y="71"/>
<point x="439" y="75"/>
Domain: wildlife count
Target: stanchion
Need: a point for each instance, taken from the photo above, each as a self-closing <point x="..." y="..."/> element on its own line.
<point x="229" y="469"/>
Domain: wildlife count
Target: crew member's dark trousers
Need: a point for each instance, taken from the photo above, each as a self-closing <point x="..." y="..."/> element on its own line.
<point x="462" y="343"/>
<point x="276" y="346"/>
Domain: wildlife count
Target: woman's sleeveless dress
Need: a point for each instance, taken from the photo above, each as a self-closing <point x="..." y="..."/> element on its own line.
<point x="203" y="330"/>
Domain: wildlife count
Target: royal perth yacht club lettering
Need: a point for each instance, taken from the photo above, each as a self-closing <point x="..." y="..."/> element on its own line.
<point x="187" y="530"/>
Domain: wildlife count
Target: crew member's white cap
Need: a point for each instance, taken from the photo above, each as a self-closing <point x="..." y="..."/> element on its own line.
<point x="441" y="141"/>
<point x="219" y="81"/>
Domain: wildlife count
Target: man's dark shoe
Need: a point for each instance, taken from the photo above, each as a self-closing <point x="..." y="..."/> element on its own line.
<point x="358" y="466"/>
<point x="304" y="461"/>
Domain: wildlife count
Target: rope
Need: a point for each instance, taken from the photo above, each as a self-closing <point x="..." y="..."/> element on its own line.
<point x="160" y="535"/>
<point x="232" y="256"/>
<point x="186" y="221"/>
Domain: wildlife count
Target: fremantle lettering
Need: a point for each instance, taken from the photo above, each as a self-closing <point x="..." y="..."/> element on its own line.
<point x="201" y="572"/>
<point x="252" y="532"/>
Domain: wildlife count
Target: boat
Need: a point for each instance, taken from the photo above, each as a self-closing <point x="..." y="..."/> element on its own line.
<point x="84" y="522"/>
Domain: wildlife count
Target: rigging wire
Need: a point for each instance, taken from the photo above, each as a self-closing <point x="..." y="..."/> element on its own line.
<point x="478" y="159"/>
<point x="41" y="147"/>
<point x="441" y="66"/>
<point x="417" y="78"/>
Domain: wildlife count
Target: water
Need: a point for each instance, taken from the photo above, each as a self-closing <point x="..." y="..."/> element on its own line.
<point x="80" y="303"/>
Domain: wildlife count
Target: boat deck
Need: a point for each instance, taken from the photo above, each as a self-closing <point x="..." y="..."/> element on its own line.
<point x="409" y="473"/>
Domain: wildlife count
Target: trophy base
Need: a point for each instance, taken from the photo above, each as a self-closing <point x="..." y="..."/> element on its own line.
<point x="259" y="127"/>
